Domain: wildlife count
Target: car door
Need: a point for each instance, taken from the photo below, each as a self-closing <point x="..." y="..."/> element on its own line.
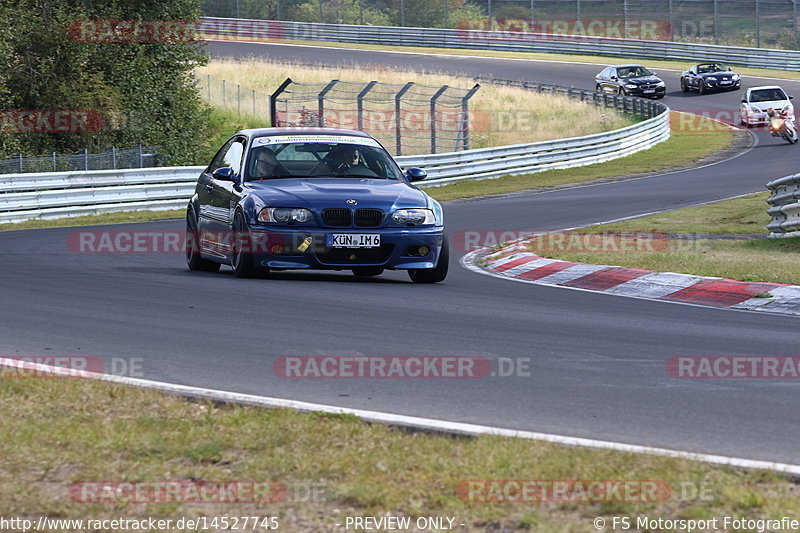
<point x="611" y="80"/>
<point x="216" y="211"/>
<point x="601" y="79"/>
<point x="694" y="77"/>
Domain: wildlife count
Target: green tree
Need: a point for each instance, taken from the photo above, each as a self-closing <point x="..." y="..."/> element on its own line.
<point x="143" y="89"/>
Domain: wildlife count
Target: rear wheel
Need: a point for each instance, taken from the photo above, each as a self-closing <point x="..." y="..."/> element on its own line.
<point x="242" y="256"/>
<point x="437" y="273"/>
<point x="367" y="271"/>
<point x="192" y="246"/>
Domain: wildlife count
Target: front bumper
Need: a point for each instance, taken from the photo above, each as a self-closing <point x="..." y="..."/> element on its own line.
<point x="658" y="92"/>
<point x="286" y="250"/>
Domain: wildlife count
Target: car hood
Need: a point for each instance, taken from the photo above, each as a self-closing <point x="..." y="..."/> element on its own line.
<point x="717" y="75"/>
<point x="774" y="104"/>
<point x="316" y="193"/>
<point x="643" y="80"/>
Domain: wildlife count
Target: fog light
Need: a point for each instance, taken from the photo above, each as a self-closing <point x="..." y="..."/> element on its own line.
<point x="423" y="250"/>
<point x="276" y="248"/>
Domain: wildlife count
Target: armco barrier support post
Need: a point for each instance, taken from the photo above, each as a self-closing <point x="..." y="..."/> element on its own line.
<point x="435" y="97"/>
<point x="273" y="98"/>
<point x="398" y="119"/>
<point x="321" y="103"/>
<point x="114" y="157"/>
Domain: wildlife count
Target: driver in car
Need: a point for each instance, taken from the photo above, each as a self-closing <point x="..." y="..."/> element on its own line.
<point x="267" y="165"/>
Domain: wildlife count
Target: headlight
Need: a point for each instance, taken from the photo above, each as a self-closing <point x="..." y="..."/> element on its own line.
<point x="415" y="217"/>
<point x="285" y="215"/>
<point x="631" y="86"/>
<point x="754" y="109"/>
<point x="735" y="77"/>
<point x="661" y="84"/>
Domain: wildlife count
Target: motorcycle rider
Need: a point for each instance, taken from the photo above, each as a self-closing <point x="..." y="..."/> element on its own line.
<point x="788" y="118"/>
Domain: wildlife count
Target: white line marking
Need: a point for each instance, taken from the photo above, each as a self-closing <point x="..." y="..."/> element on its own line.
<point x="655" y="285"/>
<point x="403" y="420"/>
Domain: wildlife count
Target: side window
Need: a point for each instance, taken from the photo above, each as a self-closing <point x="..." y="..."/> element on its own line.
<point x="612" y="72"/>
<point x="606" y="73"/>
<point x="217" y="161"/>
<point x="233" y="156"/>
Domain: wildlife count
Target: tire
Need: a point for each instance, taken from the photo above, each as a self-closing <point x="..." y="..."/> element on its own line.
<point x="241" y="261"/>
<point x="598" y="89"/>
<point x="193" y="259"/>
<point x="621" y="92"/>
<point x="436" y="274"/>
<point x="684" y="87"/>
<point x="364" y="272"/>
<point x="701" y="87"/>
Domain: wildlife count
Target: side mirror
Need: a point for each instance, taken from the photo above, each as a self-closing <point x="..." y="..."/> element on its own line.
<point x="744" y="100"/>
<point x="729" y="69"/>
<point x="613" y="78"/>
<point x="416" y="174"/>
<point x="791" y="97"/>
<point x="224" y="174"/>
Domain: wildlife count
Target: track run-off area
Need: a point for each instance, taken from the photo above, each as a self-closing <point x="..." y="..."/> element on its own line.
<point x="596" y="363"/>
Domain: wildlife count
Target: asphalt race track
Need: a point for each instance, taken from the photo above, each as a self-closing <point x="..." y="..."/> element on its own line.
<point x="597" y="361"/>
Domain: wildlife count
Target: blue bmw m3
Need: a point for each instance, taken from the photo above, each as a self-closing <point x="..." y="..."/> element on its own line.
<point x="277" y="199"/>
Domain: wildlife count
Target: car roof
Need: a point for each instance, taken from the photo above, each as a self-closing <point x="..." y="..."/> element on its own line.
<point x="628" y="65"/>
<point x="765" y="87"/>
<point x="711" y="63"/>
<point x="266" y="132"/>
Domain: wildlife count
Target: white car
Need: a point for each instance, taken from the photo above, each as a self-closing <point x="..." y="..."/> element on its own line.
<point x="757" y="100"/>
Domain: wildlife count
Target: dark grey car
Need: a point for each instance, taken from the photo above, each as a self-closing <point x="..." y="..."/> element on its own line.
<point x="710" y="76"/>
<point x="630" y="80"/>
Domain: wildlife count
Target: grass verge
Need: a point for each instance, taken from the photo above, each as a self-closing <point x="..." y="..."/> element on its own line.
<point x="499" y="115"/>
<point x="755" y="259"/>
<point x="684" y="147"/>
<point x="541" y="56"/>
<point x="106" y="432"/>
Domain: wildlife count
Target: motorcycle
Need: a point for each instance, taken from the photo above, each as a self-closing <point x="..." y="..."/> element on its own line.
<point x="782" y="127"/>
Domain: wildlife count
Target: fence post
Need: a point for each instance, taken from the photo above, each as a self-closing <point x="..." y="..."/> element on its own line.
<point x="671" y="22"/>
<point x="533" y="15"/>
<point x="402" y="13"/>
<point x="398" y="119"/>
<point x="361" y="12"/>
<point x="625" y="17"/>
<point x="360" y="104"/>
<point x="141" y="157"/>
<point x="758" y="24"/>
<point x="114" y="157"/>
<point x="794" y="24"/>
<point x="55" y="163"/>
<point x="435" y="97"/>
<point x="278" y="14"/>
<point x="465" y="113"/>
<point x="208" y="81"/>
<point x="273" y="98"/>
<point x="85" y="159"/>
<point x="321" y="102"/>
<point x="254" y="102"/>
<point x="19" y="163"/>
<point x="446" y="13"/>
<point x="578" y="10"/>
<point x="238" y="100"/>
<point x="224" y="97"/>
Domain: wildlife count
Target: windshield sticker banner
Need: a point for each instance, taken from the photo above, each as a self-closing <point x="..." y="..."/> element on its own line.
<point x="339" y="139"/>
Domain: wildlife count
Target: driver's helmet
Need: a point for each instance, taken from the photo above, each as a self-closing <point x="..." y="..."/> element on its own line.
<point x="771" y="113"/>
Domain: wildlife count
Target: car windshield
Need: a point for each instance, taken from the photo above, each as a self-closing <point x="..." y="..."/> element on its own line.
<point x="709" y="68"/>
<point x="303" y="156"/>
<point x="632" y="72"/>
<point x="767" y="95"/>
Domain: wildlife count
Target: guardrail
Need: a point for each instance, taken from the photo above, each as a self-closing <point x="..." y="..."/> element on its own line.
<point x="277" y="30"/>
<point x="61" y="194"/>
<point x="785" y="210"/>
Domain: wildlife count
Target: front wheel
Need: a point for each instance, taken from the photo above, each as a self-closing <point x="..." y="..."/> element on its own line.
<point x="193" y="258"/>
<point x="437" y="273"/>
<point x="621" y="92"/>
<point x="701" y="87"/>
<point x="242" y="255"/>
<point x="684" y="87"/>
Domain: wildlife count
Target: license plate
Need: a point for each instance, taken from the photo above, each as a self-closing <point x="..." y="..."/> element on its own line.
<point x="354" y="240"/>
<point x="726" y="82"/>
<point x="649" y="91"/>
